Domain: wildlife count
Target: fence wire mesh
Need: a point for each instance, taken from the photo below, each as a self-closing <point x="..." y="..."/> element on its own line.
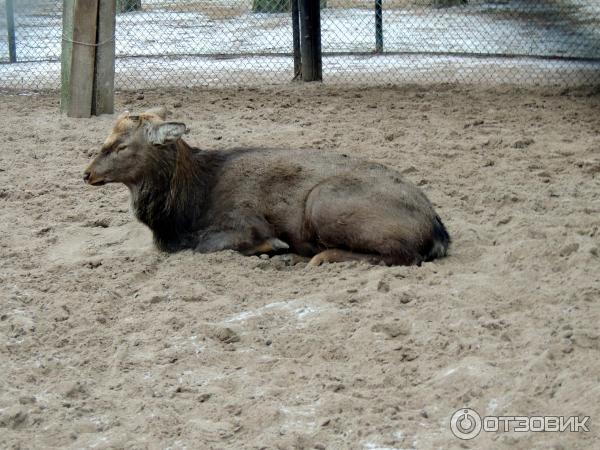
<point x="222" y="42"/>
<point x="513" y="41"/>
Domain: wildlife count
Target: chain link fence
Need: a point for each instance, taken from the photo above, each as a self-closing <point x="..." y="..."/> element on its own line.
<point x="502" y="41"/>
<point x="183" y="43"/>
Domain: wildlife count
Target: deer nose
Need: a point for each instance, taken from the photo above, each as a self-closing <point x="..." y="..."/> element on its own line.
<point x="86" y="175"/>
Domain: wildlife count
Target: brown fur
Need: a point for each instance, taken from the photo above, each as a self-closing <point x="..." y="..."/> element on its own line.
<point x="261" y="200"/>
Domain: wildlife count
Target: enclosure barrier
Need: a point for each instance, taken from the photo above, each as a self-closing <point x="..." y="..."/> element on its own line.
<point x="88" y="53"/>
<point x="88" y="57"/>
<point x="163" y="43"/>
<point x="10" y="27"/>
<point x="311" y="63"/>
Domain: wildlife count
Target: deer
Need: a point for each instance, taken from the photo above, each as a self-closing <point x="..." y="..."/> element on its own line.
<point x="323" y="205"/>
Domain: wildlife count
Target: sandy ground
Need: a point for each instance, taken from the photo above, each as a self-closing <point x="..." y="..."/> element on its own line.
<point x="107" y="343"/>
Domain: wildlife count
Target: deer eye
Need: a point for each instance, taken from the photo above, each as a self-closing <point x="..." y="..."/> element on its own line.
<point x="121" y="147"/>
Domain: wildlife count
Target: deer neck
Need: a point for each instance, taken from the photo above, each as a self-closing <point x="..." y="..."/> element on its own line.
<point x="172" y="199"/>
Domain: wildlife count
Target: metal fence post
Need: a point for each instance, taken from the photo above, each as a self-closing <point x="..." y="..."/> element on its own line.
<point x="10" y="26"/>
<point x="378" y="26"/>
<point x="310" y="45"/>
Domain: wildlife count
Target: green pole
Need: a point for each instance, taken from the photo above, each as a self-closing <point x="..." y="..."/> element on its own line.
<point x="10" y="26"/>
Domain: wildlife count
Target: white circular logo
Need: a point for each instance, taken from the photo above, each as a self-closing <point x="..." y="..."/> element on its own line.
<point x="465" y="424"/>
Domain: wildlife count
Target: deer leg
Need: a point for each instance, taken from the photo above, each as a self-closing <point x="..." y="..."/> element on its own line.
<point x="336" y="255"/>
<point x="270" y="245"/>
<point x="215" y="241"/>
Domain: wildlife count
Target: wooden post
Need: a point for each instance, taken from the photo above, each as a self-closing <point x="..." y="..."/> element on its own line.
<point x="310" y="45"/>
<point x="378" y="26"/>
<point x="88" y="57"/>
<point x="66" y="54"/>
<point x="85" y="16"/>
<point x="10" y="26"/>
<point x="78" y="64"/>
<point x="104" y="72"/>
<point x="296" y="39"/>
<point x="78" y="56"/>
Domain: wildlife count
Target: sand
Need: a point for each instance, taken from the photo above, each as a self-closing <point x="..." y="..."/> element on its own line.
<point x="107" y="343"/>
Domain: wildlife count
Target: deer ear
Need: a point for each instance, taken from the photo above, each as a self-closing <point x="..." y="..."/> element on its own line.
<point x="164" y="133"/>
<point x="160" y="111"/>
